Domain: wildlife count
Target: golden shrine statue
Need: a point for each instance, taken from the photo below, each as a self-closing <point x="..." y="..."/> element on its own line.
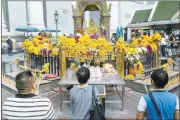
<point x="83" y="5"/>
<point x="92" y="28"/>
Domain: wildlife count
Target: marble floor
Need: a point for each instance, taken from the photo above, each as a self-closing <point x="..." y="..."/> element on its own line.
<point x="112" y="109"/>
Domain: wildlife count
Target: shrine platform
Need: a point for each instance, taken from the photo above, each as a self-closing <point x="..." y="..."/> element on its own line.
<point x="144" y="85"/>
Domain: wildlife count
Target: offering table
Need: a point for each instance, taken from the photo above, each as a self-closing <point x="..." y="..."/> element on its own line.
<point x="70" y="78"/>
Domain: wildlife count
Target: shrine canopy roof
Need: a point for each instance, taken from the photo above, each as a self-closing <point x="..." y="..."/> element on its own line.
<point x="141" y="16"/>
<point x="165" y="10"/>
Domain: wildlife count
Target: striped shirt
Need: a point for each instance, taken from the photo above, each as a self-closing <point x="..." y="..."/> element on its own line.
<point x="28" y="106"/>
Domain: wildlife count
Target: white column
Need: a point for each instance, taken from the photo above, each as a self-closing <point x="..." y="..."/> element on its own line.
<point x="4" y="27"/>
<point x="35" y="14"/>
<point x="119" y="13"/>
<point x="145" y="4"/>
<point x="128" y="33"/>
<point x="86" y="19"/>
<point x="151" y="32"/>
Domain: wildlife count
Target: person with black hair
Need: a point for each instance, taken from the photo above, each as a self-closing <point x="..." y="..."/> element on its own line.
<point x="172" y="39"/>
<point x="113" y="38"/>
<point x="159" y="103"/>
<point x="10" y="46"/>
<point x="27" y="105"/>
<point x="144" y="33"/>
<point x="39" y="34"/>
<point x="81" y="95"/>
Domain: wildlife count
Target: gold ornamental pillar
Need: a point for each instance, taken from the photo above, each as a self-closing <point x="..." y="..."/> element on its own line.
<point x="106" y="23"/>
<point x="77" y="23"/>
<point x="120" y="63"/>
<point x="62" y="62"/>
<point x="157" y="57"/>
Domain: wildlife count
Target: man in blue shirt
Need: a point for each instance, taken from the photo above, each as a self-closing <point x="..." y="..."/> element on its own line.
<point x="167" y="103"/>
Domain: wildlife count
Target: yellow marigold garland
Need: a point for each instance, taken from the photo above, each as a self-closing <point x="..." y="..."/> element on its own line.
<point x="45" y="68"/>
<point x="135" y="42"/>
<point x="140" y="68"/>
<point x="165" y="66"/>
<point x="129" y="77"/>
<point x="120" y="45"/>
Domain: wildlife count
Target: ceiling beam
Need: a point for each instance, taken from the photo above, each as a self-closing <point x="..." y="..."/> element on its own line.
<point x="139" y="1"/>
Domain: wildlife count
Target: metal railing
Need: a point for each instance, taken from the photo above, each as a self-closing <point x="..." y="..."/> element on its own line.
<point x="146" y="59"/>
<point x="37" y="62"/>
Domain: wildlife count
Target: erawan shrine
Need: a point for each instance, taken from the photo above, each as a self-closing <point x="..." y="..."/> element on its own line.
<point x="104" y="60"/>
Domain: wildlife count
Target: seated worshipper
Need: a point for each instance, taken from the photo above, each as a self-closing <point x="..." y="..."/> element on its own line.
<point x="159" y="103"/>
<point x="27" y="105"/>
<point x="81" y="95"/>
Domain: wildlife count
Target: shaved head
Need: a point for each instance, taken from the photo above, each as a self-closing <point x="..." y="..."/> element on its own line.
<point x="24" y="82"/>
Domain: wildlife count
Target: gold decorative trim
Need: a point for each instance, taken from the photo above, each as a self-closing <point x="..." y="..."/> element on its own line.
<point x="62" y="62"/>
<point x="120" y="63"/>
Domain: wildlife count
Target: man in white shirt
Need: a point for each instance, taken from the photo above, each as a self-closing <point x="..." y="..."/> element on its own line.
<point x="163" y="45"/>
<point x="27" y="105"/>
<point x="167" y="103"/>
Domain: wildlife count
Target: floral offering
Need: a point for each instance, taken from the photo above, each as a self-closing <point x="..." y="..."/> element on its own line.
<point x="143" y="45"/>
<point x="165" y="66"/>
<point x="120" y="45"/>
<point x="73" y="66"/>
<point x="45" y="68"/>
<point x="135" y="42"/>
<point x="129" y="77"/>
<point x="139" y="67"/>
<point x="156" y="37"/>
<point x="170" y="61"/>
<point x="85" y="48"/>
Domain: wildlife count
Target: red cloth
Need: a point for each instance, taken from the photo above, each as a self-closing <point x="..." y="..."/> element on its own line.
<point x="40" y="38"/>
<point x="51" y="76"/>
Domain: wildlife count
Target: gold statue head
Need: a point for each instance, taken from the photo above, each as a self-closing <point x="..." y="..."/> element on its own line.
<point x="91" y="22"/>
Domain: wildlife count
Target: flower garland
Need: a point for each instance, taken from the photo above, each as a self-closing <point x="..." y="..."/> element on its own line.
<point x="165" y="66"/>
<point x="129" y="77"/>
<point x="170" y="61"/>
<point x="74" y="67"/>
<point x="135" y="42"/>
<point x="120" y="45"/>
<point x="40" y="46"/>
<point x="86" y="48"/>
<point x="139" y="67"/>
<point x="45" y="68"/>
<point x="143" y="45"/>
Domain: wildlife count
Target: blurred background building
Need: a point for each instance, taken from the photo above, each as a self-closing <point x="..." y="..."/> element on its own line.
<point x="40" y="14"/>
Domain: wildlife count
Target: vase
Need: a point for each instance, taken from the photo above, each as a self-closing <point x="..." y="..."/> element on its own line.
<point x="132" y="70"/>
<point x="71" y="74"/>
<point x="37" y="87"/>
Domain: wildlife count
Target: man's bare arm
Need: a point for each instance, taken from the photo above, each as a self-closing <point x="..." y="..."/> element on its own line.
<point x="140" y="115"/>
<point x="176" y="114"/>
